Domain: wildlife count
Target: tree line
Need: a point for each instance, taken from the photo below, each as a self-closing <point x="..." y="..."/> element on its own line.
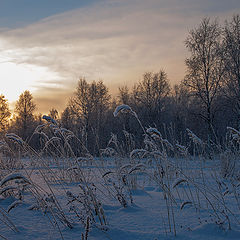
<point x="206" y="101"/>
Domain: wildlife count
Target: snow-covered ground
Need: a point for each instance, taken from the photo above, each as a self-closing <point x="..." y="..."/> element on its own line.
<point x="192" y="199"/>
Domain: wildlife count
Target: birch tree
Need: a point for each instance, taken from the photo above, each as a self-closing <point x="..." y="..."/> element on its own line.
<point x="205" y="69"/>
<point x="24" y="119"/>
<point x="231" y="41"/>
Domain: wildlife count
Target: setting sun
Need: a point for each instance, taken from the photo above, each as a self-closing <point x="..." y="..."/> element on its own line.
<point x="15" y="78"/>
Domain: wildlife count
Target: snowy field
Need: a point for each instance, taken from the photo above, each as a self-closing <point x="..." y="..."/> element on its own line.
<point x="119" y="198"/>
<point x="163" y="191"/>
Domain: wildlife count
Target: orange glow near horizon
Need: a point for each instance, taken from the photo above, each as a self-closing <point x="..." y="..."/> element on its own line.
<point x="115" y="43"/>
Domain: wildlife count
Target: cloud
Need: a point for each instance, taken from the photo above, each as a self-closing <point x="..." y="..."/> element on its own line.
<point x="112" y="40"/>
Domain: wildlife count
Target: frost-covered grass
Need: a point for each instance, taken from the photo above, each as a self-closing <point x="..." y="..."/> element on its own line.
<point x="157" y="192"/>
<point x="202" y="204"/>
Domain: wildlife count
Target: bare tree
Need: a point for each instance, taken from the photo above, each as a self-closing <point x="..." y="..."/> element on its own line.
<point x="180" y="109"/>
<point x="149" y="94"/>
<point x="24" y="119"/>
<point x="205" y="69"/>
<point x="89" y="104"/>
<point x="4" y="113"/>
<point x="231" y="41"/>
<point x="124" y="96"/>
<point x="67" y="118"/>
<point x="53" y="113"/>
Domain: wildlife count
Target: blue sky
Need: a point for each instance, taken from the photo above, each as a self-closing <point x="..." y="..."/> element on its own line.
<point x="47" y="45"/>
<point x="17" y="13"/>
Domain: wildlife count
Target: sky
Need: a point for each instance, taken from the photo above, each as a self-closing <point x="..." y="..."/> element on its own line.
<point x="47" y="45"/>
